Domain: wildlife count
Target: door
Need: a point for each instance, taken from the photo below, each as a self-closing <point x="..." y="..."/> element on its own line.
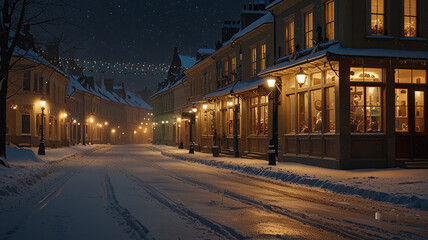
<point x="411" y="123"/>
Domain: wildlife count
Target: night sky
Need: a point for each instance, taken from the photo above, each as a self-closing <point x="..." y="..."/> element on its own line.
<point x="142" y="30"/>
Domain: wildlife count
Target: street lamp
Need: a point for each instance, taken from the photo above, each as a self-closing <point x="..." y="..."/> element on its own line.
<point x="273" y="143"/>
<point x="301" y="77"/>
<point x="42" y="139"/>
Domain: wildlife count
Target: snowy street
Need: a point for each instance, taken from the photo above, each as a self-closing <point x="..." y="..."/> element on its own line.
<point x="135" y="192"/>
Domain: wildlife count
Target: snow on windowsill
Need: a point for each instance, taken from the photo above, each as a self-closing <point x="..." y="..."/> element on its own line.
<point x="413" y="38"/>
<point x="380" y="37"/>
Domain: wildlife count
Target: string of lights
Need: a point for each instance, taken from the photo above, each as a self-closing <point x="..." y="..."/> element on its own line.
<point x="115" y="67"/>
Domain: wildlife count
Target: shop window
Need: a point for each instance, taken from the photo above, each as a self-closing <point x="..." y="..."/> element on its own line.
<point x="289" y="37"/>
<point x="401" y="110"/>
<point x="303" y="112"/>
<point x="292" y="113"/>
<point x="26" y="124"/>
<point x="366" y="74"/>
<point x="253" y="61"/>
<point x="419" y="111"/>
<point x="329" y="20"/>
<point x="410" y="18"/>
<point x="366" y="109"/>
<point x="330" y="110"/>
<point x="332" y="76"/>
<point x="316" y="79"/>
<point x="377" y="16"/>
<point x="263" y="56"/>
<point x="27" y="82"/>
<point x="411" y="76"/>
<point x="259" y="115"/>
<point x="316" y="111"/>
<point x="309" y="27"/>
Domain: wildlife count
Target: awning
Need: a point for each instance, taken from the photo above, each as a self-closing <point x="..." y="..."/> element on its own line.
<point x="221" y="91"/>
<point x="250" y="85"/>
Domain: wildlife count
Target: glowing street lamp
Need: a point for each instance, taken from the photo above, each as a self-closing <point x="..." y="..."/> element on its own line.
<point x="194" y="109"/>
<point x="301" y="77"/>
<point x="205" y="106"/>
<point x="271" y="82"/>
<point x="42" y="139"/>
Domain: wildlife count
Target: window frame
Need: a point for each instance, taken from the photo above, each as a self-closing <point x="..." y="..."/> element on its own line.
<point x="377" y="14"/>
<point x="365" y="85"/>
<point x="329" y="22"/>
<point x="309" y="29"/>
<point x="410" y="16"/>
<point x="254" y="126"/>
<point x="253" y="61"/>
<point x="290" y="41"/>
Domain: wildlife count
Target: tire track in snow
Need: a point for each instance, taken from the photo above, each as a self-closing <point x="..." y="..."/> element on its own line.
<point x="222" y="230"/>
<point x="344" y="231"/>
<point x="136" y="227"/>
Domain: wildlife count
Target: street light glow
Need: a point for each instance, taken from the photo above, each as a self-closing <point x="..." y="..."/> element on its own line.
<point x="205" y="106"/>
<point x="271" y="82"/>
<point x="301" y="77"/>
<point x="42" y="102"/>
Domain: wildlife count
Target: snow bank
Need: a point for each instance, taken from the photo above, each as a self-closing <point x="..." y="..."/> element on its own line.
<point x="27" y="169"/>
<point x="15" y="154"/>
<point x="396" y="186"/>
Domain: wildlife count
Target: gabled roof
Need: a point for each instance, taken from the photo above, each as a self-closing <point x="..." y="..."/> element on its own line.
<point x="131" y="99"/>
<point x="267" y="18"/>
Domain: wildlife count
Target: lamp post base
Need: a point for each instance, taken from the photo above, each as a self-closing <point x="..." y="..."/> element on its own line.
<point x="271" y="153"/>
<point x="180" y="146"/>
<point x="41" y="148"/>
<point x="192" y="148"/>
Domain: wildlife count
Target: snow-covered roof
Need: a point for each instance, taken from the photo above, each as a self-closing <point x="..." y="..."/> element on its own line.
<point x="337" y="49"/>
<point x="187" y="61"/>
<point x="267" y="18"/>
<point x="36" y="58"/>
<point x="220" y="92"/>
<point x="206" y="51"/>
<point x="273" y="4"/>
<point x="130" y="99"/>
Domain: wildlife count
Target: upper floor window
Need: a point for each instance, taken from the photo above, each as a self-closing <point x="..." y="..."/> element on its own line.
<point x="233" y="68"/>
<point x="410" y="18"/>
<point x="226" y="69"/>
<point x="329" y="20"/>
<point x="253" y="61"/>
<point x="26" y="83"/>
<point x="377" y="15"/>
<point x="309" y="29"/>
<point x="289" y="37"/>
<point x="263" y="56"/>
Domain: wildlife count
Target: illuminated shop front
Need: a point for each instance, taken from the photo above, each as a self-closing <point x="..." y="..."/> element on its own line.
<point x="352" y="111"/>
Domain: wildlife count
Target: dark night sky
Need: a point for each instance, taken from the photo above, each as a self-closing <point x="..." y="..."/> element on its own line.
<point x="143" y="30"/>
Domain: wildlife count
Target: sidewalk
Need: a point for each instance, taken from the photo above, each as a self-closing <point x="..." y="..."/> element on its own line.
<point x="27" y="168"/>
<point x="407" y="187"/>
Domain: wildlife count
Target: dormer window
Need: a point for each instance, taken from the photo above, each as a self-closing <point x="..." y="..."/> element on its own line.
<point x="377" y="15"/>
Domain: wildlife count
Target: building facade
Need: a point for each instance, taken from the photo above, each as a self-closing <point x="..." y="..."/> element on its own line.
<point x="350" y="84"/>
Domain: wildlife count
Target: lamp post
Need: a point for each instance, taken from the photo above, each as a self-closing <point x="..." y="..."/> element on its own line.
<point x="42" y="139"/>
<point x="192" y="121"/>
<point x="235" y="128"/>
<point x="180" y="145"/>
<point x="273" y="143"/>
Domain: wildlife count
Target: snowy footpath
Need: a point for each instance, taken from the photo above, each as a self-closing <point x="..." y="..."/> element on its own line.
<point x="408" y="187"/>
<point x="27" y="168"/>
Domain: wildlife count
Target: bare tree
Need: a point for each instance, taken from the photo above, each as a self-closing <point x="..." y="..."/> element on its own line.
<point x="14" y="14"/>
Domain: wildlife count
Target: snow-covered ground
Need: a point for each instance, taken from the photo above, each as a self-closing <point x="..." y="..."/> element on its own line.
<point x="135" y="192"/>
<point x="407" y="187"/>
<point x="27" y="168"/>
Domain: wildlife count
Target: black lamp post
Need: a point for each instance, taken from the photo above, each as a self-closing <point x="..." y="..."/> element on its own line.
<point x="42" y="139"/>
<point x="273" y="143"/>
<point x="192" y="121"/>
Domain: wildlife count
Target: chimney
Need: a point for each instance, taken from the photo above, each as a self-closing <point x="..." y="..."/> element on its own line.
<point x="229" y="29"/>
<point x="256" y="9"/>
<point x="108" y="83"/>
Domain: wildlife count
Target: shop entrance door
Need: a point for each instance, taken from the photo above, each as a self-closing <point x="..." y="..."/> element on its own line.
<point x="411" y="139"/>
